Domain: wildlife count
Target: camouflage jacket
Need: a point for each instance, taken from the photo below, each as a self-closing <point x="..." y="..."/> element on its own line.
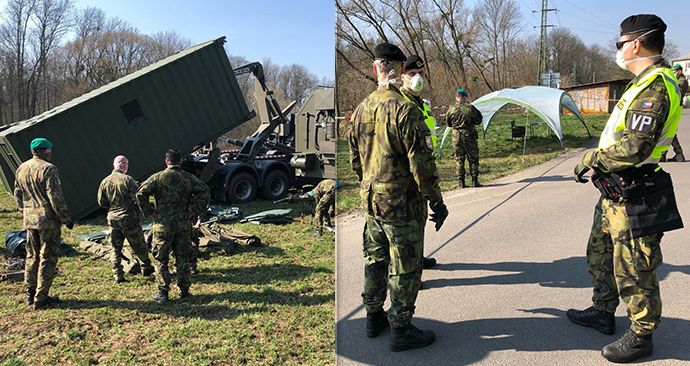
<point x="463" y="116"/>
<point x="683" y="84"/>
<point x="38" y="192"/>
<point x="636" y="146"/>
<point x="391" y="152"/>
<point x="118" y="193"/>
<point x="325" y="186"/>
<point x="175" y="192"/>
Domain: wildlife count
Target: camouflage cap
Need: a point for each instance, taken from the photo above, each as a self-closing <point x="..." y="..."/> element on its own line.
<point x="642" y="23"/>
<point x="40" y="143"/>
<point x="390" y="52"/>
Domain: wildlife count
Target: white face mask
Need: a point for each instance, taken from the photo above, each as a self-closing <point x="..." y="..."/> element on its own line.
<point x="416" y="83"/>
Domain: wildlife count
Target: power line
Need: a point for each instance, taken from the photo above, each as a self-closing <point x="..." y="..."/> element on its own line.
<point x="594" y="15"/>
<point x="588" y="20"/>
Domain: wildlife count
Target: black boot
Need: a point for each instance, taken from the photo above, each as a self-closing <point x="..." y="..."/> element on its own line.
<point x="428" y="262"/>
<point x="185" y="294"/>
<point x="409" y="337"/>
<point x="120" y="278"/>
<point x="461" y="182"/>
<point x="147" y="270"/>
<point x="161" y="297"/>
<point x="628" y="348"/>
<point x="600" y="320"/>
<point x="30" y="293"/>
<point x="376" y="323"/>
<point x="475" y="181"/>
<point x="43" y="304"/>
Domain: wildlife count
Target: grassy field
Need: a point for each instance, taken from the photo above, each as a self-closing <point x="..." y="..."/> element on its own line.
<point x="269" y="305"/>
<point x="499" y="155"/>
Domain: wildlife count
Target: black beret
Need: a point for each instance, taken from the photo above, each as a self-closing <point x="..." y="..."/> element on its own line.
<point x="414" y="62"/>
<point x="642" y="23"/>
<point x="387" y="51"/>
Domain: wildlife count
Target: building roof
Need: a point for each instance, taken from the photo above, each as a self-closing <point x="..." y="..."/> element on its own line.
<point x="598" y="83"/>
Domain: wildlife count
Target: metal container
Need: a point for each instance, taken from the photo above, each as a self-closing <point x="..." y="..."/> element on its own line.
<point x="181" y="102"/>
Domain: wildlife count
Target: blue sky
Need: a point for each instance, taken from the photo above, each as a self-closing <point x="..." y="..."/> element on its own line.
<point x="597" y="21"/>
<point x="287" y="32"/>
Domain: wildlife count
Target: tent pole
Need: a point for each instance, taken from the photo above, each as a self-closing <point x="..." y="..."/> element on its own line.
<point x="524" y="138"/>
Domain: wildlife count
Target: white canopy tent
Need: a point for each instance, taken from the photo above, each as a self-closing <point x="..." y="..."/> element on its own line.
<point x="542" y="101"/>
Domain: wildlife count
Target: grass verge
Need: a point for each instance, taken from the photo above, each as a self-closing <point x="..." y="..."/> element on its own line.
<point x="269" y="305"/>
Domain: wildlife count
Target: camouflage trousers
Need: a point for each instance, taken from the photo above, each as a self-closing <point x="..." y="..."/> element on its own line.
<point x="175" y="237"/>
<point x="677" y="149"/>
<point x="624" y="266"/>
<point x="130" y="229"/>
<point x="393" y="255"/>
<point x="466" y="148"/>
<point x="321" y="213"/>
<point x="42" y="250"/>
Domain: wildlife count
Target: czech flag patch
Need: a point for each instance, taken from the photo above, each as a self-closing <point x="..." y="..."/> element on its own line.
<point x="647" y="105"/>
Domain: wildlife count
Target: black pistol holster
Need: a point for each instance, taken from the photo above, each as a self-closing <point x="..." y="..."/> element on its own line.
<point x="648" y="197"/>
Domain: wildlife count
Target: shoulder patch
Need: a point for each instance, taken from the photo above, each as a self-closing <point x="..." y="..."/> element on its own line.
<point x="641" y="122"/>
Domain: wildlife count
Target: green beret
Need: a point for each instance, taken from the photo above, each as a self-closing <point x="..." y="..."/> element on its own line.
<point x="461" y="91"/>
<point x="40" y="143"/>
<point x="642" y="23"/>
<point x="677" y="67"/>
<point x="387" y="51"/>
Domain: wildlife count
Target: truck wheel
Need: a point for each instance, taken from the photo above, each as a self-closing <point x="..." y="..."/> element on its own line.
<point x="276" y="185"/>
<point x="242" y="188"/>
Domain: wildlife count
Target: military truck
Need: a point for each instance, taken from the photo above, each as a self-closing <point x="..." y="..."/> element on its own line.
<point x="184" y="101"/>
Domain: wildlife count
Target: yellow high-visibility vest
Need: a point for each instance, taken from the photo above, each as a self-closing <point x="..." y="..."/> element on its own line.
<point x="615" y="126"/>
<point x="429" y="120"/>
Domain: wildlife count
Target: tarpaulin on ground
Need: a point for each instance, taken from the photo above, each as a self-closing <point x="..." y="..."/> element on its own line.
<point x="277" y="216"/>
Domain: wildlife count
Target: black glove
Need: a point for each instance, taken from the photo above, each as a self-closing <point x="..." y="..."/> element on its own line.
<point x="580" y="170"/>
<point x="440" y="213"/>
<point x="69" y="224"/>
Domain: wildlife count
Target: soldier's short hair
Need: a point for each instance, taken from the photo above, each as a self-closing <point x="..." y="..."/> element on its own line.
<point x="173" y="156"/>
<point x="390" y="68"/>
<point x="654" y="41"/>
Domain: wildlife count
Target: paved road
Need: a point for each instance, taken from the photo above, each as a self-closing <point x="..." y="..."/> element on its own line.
<point x="512" y="261"/>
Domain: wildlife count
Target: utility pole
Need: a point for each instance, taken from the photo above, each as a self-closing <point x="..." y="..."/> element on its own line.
<point x="543" y="46"/>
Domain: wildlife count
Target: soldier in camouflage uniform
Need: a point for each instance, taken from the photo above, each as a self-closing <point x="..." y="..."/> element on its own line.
<point x="178" y="195"/>
<point x="463" y="117"/>
<point x="413" y="84"/>
<point x="117" y="192"/>
<point x="38" y="193"/>
<point x="324" y="194"/>
<point x="623" y="254"/>
<point x="391" y="153"/>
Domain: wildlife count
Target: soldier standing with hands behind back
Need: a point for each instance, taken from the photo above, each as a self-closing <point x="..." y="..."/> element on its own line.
<point x="637" y="204"/>
<point x="38" y="193"/>
<point x="391" y="153"/>
<point x="463" y="117"/>
<point x="178" y="196"/>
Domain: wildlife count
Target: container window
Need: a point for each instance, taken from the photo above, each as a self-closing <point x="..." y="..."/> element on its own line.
<point x="132" y="111"/>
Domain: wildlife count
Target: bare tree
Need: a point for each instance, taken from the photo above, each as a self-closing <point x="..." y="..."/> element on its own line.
<point x="52" y="21"/>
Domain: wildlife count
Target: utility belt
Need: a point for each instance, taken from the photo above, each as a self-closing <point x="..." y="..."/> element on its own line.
<point x="648" y="197"/>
